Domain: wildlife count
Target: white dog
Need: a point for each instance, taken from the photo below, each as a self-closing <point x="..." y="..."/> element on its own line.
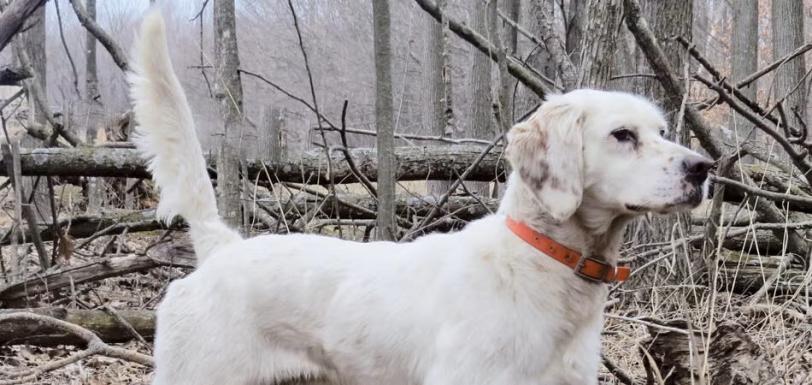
<point x="501" y="302"/>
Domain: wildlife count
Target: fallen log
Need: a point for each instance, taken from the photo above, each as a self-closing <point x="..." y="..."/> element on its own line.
<point x="746" y="273"/>
<point x="101" y="322"/>
<point x="778" y="181"/>
<point x="413" y="163"/>
<point x="669" y="356"/>
<point x="18" y="293"/>
<point x="736" y="192"/>
<point x="83" y="226"/>
<point x="365" y="207"/>
<point x="762" y="242"/>
<point x="348" y="207"/>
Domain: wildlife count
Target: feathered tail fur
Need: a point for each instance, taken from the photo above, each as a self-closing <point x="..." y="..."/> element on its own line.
<point x="166" y="137"/>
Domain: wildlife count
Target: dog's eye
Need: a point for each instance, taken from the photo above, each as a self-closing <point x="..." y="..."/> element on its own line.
<point x="624" y="135"/>
<point x="662" y="132"/>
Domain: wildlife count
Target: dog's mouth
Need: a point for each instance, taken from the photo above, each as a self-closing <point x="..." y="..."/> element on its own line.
<point x="687" y="201"/>
<point x="637" y="208"/>
<point x="693" y="198"/>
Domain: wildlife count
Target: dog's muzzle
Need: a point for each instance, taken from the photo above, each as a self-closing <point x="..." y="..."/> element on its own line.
<point x="696" y="169"/>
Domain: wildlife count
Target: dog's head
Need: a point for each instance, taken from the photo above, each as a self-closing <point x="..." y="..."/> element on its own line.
<point x="606" y="148"/>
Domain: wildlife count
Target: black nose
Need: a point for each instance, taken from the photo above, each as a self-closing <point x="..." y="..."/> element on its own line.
<point x="696" y="168"/>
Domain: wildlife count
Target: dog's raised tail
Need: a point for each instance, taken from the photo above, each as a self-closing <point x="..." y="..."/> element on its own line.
<point x="166" y="138"/>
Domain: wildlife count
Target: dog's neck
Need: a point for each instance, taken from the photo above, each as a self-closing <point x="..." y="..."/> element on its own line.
<point x="592" y="230"/>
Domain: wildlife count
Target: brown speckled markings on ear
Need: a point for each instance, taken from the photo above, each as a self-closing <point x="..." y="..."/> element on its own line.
<point x="541" y="150"/>
<point x="535" y="179"/>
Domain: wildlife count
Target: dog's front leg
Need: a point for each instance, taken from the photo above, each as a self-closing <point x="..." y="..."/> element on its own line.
<point x="581" y="358"/>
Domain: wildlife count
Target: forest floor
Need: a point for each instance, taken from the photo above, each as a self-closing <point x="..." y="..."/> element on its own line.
<point x="132" y="291"/>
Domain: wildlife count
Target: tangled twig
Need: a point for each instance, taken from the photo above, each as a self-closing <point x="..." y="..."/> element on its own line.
<point x="95" y="346"/>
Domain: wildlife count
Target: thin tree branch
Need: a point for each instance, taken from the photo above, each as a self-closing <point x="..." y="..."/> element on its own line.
<point x="518" y="69"/>
<point x="67" y="51"/>
<point x="619" y="373"/>
<point x="752" y="104"/>
<point x="118" y="55"/>
<point x="773" y="196"/>
<point x="290" y="95"/>
<point x="348" y="157"/>
<point x="199" y="13"/>
<point x="786" y="58"/>
<point x="443" y="139"/>
<point x="797" y="158"/>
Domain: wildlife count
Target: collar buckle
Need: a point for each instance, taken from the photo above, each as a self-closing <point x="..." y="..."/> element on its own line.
<point x="581" y="270"/>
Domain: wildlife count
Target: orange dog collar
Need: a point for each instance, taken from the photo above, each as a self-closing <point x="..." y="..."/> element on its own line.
<point x="588" y="268"/>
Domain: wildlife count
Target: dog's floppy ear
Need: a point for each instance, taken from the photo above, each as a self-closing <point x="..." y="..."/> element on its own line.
<point x="547" y="152"/>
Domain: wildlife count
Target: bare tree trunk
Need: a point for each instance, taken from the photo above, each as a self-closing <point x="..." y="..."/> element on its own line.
<point x="271" y="149"/>
<point x="670" y="19"/>
<point x="576" y="23"/>
<point x="448" y="90"/>
<point x="384" y="120"/>
<point x="34" y="44"/>
<point x="744" y="57"/>
<point x="591" y="38"/>
<point x="701" y="25"/>
<point x="11" y="158"/>
<point x="788" y="34"/>
<point x="91" y="73"/>
<point x="598" y="42"/>
<point x="481" y="117"/>
<point x="509" y="44"/>
<point x="628" y="60"/>
<point x="506" y="38"/>
<point x="538" y="58"/>
<point x="435" y="87"/>
<point x="228" y="90"/>
<point x="512" y="9"/>
<point x="93" y="106"/>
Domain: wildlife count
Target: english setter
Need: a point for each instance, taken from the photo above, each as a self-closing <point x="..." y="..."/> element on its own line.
<point x="484" y="305"/>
